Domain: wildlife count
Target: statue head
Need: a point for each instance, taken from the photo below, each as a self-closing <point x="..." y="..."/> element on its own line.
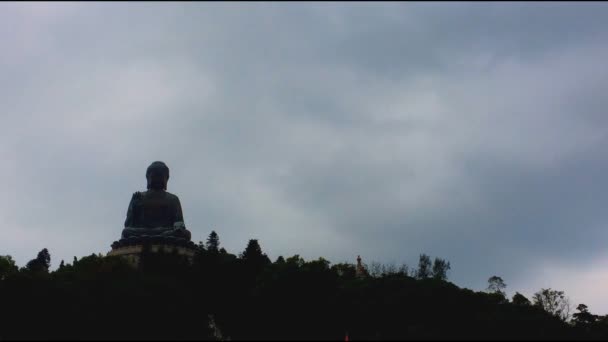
<point x="157" y="175"/>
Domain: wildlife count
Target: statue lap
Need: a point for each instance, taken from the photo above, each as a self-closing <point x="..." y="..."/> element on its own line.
<point x="154" y="217"/>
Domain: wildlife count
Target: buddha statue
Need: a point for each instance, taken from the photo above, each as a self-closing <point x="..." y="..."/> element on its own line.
<point x="155" y="215"/>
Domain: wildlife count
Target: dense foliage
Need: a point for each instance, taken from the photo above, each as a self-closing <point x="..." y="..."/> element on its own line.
<point x="221" y="296"/>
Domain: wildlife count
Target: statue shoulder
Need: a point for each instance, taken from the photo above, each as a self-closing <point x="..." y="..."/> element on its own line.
<point x="171" y="196"/>
<point x="137" y="195"/>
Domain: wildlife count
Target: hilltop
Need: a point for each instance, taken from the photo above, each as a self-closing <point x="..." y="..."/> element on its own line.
<point x="223" y="296"/>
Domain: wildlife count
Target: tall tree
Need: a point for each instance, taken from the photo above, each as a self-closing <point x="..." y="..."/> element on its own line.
<point x="253" y="252"/>
<point x="496" y="285"/>
<point x="583" y="316"/>
<point x="440" y="269"/>
<point x="213" y="242"/>
<point x="42" y="263"/>
<point x="554" y="302"/>
<point x="424" y="267"/>
<point x="519" y="299"/>
<point x="7" y="266"/>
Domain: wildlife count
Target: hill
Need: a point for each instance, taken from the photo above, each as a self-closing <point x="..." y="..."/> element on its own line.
<point x="222" y="296"/>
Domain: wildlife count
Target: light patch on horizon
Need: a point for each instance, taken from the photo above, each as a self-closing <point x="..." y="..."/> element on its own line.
<point x="583" y="284"/>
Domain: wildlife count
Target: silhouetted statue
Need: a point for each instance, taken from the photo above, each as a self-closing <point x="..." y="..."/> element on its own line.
<point x="155" y="215"/>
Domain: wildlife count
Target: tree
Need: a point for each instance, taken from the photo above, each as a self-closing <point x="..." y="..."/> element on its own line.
<point x="344" y="270"/>
<point x="496" y="285"/>
<point x="249" y="302"/>
<point x="61" y="265"/>
<point x="201" y="246"/>
<point x="440" y="269"/>
<point x="213" y="242"/>
<point x="295" y="260"/>
<point x="319" y="264"/>
<point x="42" y="263"/>
<point x="7" y="266"/>
<point x="584" y="316"/>
<point x="424" y="267"/>
<point x="253" y="253"/>
<point x="375" y="269"/>
<point x="519" y="299"/>
<point x="553" y="302"/>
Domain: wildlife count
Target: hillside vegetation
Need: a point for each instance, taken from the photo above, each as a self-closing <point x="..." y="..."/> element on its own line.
<point x="222" y="296"/>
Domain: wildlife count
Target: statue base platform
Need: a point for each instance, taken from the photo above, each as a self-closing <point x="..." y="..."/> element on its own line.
<point x="153" y="240"/>
<point x="132" y="253"/>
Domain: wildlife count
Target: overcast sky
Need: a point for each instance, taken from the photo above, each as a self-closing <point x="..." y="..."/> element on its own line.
<point x="474" y="132"/>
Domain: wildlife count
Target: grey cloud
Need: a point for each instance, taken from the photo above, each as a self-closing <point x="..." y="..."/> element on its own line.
<point x="472" y="132"/>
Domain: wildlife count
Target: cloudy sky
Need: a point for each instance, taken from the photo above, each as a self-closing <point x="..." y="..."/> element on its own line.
<point x="474" y="132"/>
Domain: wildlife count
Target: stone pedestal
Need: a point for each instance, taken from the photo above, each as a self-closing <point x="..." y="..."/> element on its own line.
<point x="133" y="253"/>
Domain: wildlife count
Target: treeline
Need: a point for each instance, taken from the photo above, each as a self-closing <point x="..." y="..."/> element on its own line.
<point x="223" y="296"/>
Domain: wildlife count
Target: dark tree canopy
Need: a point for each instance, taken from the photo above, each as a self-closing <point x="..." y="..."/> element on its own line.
<point x="42" y="263"/>
<point x="424" y="267"/>
<point x="554" y="302"/>
<point x="583" y="316"/>
<point x="440" y="269"/>
<point x="222" y="296"/>
<point x="253" y="254"/>
<point x="7" y="266"/>
<point x="519" y="299"/>
<point x="213" y="242"/>
<point x="496" y="285"/>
